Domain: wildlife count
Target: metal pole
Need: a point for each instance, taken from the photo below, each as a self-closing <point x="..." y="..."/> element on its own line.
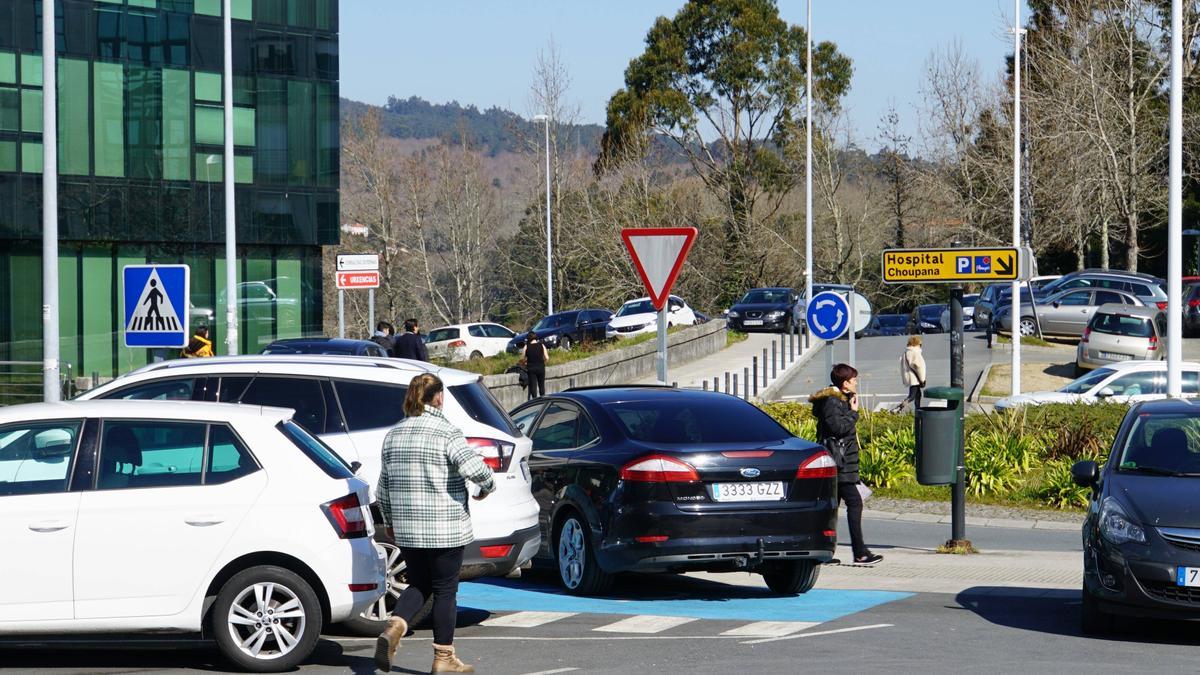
<point x="735" y="386"/>
<point x="828" y="357"/>
<point x="549" y="254"/>
<point x="764" y="367"/>
<point x="704" y="385"/>
<point x="958" y="493"/>
<point x="716" y="385"/>
<point x="774" y="360"/>
<point x="754" y="370"/>
<point x="850" y="337"/>
<point x="370" y="311"/>
<point x="746" y="385"/>
<point x="51" y="387"/>
<point x="808" y="182"/>
<point x="727" y="389"/>
<point x="1016" y="200"/>
<point x="956" y="336"/>
<point x="660" y="359"/>
<point x="1175" y="211"/>
<point x="341" y="313"/>
<point x="231" y="304"/>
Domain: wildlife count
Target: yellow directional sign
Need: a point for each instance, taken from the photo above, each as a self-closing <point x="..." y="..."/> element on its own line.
<point x="949" y="265"/>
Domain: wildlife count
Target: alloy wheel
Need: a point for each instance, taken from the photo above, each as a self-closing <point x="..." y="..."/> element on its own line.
<point x="397" y="581"/>
<point x="266" y="620"/>
<point x="571" y="553"/>
<point x="1028" y="329"/>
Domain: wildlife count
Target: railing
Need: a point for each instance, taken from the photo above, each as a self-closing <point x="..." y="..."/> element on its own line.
<point x="21" y="382"/>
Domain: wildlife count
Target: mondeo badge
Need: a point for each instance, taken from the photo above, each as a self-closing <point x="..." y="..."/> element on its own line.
<point x="750" y="472"/>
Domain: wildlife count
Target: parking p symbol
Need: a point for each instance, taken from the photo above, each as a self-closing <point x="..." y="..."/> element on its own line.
<point x="962" y="264"/>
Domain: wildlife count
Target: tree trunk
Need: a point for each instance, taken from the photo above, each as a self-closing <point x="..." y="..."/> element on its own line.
<point x="1104" y="262"/>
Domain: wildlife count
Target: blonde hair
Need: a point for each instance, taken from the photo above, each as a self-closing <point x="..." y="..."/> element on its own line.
<point x="421" y="391"/>
<point x="914" y="341"/>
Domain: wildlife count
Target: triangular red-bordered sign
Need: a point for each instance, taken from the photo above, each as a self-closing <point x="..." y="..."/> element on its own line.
<point x="658" y="254"/>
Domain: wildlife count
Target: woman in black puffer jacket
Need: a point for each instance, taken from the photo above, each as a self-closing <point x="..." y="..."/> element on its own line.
<point x="836" y="411"/>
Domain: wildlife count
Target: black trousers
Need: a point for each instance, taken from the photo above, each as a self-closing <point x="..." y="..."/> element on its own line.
<point x="848" y="493"/>
<point x="537" y="382"/>
<point x="432" y="572"/>
<point x="914" y="395"/>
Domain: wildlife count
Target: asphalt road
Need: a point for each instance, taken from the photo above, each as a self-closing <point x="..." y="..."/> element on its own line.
<point x="878" y="364"/>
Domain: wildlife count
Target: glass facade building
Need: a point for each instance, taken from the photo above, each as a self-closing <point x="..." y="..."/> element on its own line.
<point x="140" y="135"/>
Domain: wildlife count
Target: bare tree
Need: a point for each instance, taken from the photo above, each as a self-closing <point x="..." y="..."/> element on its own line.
<point x="896" y="172"/>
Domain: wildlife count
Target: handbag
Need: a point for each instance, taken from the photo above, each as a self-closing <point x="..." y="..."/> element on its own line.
<point x="837" y="448"/>
<point x="864" y="492"/>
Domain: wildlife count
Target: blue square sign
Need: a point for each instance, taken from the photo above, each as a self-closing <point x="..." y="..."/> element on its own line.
<point x="155" y="305"/>
<point x="983" y="264"/>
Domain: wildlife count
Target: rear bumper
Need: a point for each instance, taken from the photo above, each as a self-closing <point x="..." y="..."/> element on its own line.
<point x="367" y="564"/>
<point x="522" y="545"/>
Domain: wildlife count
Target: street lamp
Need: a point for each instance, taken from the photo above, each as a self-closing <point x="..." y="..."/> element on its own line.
<point x="549" y="259"/>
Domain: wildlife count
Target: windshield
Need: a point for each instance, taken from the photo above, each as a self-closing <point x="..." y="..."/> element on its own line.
<point x="930" y="311"/>
<point x="893" y="320"/>
<point x="1085" y="383"/>
<point x="555" y="321"/>
<point x="1119" y="324"/>
<point x="1163" y="443"/>
<point x="636" y="307"/>
<point x="765" y="296"/>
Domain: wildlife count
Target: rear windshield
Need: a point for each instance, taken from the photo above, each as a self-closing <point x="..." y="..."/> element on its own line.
<point x="696" y="420"/>
<point x="443" y="334"/>
<point x="556" y="321"/>
<point x="1163" y="443"/>
<point x="320" y="454"/>
<point x="1117" y="324"/>
<point x="481" y="406"/>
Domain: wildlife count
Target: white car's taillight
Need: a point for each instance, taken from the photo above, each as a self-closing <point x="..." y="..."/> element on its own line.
<point x="347" y="516"/>
<point x="496" y="454"/>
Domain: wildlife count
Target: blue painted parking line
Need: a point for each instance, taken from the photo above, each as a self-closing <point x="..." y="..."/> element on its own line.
<point x="817" y="605"/>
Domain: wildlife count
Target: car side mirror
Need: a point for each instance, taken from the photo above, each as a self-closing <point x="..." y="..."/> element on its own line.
<point x="52" y="451"/>
<point x="1106" y="392"/>
<point x="355" y="466"/>
<point x="1085" y="473"/>
<point x="1056" y="304"/>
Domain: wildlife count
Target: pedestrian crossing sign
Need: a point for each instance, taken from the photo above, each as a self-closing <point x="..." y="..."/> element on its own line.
<point x="155" y="305"/>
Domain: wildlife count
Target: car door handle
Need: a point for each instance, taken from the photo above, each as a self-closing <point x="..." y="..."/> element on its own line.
<point x="50" y="525"/>
<point x="205" y="520"/>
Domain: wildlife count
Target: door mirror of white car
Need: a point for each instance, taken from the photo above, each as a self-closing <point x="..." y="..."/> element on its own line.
<point x="1106" y="392"/>
<point x="355" y="466"/>
<point x="52" y="443"/>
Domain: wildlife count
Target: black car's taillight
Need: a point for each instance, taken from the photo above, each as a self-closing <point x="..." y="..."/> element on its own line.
<point x="496" y="454"/>
<point x="659" y="469"/>
<point x="820" y="465"/>
<point x="347" y="516"/>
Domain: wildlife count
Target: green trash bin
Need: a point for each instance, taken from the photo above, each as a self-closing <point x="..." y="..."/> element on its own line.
<point x="939" y="433"/>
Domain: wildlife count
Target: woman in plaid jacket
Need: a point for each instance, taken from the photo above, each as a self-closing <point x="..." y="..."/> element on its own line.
<point x="423" y="495"/>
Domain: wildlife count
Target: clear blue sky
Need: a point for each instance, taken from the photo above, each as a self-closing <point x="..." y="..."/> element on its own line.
<point x="483" y="52"/>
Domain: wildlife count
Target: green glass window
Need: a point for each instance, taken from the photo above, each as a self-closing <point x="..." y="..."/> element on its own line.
<point x="143" y="3"/>
<point x="31" y="157"/>
<point x="210" y="125"/>
<point x="31" y="110"/>
<point x="300" y="13"/>
<point x="243" y="126"/>
<point x="96" y="287"/>
<point x="271" y="11"/>
<point x="242" y="9"/>
<point x="176" y="125"/>
<point x="301" y="132"/>
<point x="10" y="109"/>
<point x="272" y="139"/>
<point x="143" y="122"/>
<point x="208" y="87"/>
<point x="109" y="119"/>
<point x="31" y="70"/>
<point x="210" y="167"/>
<point x="8" y="156"/>
<point x="74" y="142"/>
<point x="288" y="287"/>
<point x="209" y="7"/>
<point x="325" y="14"/>
<point x="243" y="169"/>
<point x="8" y="67"/>
<point x="327" y="134"/>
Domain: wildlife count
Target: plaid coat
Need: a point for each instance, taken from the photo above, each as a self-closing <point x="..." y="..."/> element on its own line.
<point x="422" y="491"/>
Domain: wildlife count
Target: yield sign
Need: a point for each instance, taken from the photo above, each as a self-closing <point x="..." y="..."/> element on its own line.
<point x="658" y="254"/>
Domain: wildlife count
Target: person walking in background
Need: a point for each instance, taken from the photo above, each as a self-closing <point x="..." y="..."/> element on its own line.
<point x="199" y="346"/>
<point x="835" y="409"/>
<point x="385" y="336"/>
<point x="535" y="360"/>
<point x="912" y="372"/>
<point x="410" y="345"/>
<point x="422" y="494"/>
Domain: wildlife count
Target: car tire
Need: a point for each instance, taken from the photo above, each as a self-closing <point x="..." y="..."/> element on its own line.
<point x="791" y="578"/>
<point x="566" y="343"/>
<point x="1092" y="620"/>
<point x="256" y="593"/>
<point x="373" y="621"/>
<point x="578" y="571"/>
<point x="476" y="355"/>
<point x="1028" y="327"/>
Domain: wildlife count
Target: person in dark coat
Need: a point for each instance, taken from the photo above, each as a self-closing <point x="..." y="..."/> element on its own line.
<point x="835" y="409"/>
<point x="385" y="336"/>
<point x="410" y="345"/>
<point x="535" y="360"/>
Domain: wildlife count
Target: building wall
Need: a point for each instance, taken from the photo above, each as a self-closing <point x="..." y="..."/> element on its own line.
<point x="140" y="133"/>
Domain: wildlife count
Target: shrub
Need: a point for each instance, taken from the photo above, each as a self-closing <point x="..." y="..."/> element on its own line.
<point x="888" y="459"/>
<point x="795" y="417"/>
<point x="990" y="464"/>
<point x="1058" y="488"/>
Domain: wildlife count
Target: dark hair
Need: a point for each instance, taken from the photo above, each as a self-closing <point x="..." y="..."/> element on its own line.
<point x="202" y="331"/>
<point x="840" y="373"/>
<point x="384" y="326"/>
<point x="533" y="335"/>
<point x="421" y="391"/>
<point x="410" y="325"/>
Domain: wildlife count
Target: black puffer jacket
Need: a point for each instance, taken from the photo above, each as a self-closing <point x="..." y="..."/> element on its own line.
<point x="835" y="419"/>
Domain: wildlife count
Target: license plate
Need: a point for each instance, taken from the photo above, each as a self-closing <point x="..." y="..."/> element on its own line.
<point x="753" y="322"/>
<point x="761" y="491"/>
<point x="1187" y="576"/>
<point x="1112" y="356"/>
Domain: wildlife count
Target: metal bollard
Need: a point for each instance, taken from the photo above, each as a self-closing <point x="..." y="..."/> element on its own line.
<point x="716" y="382"/>
<point x="727" y="389"/>
<point x="754" y="369"/>
<point x="674" y="385"/>
<point x="704" y="385"/>
<point x="571" y="383"/>
<point x="764" y="370"/>
<point x="746" y="389"/>
<point x="774" y="360"/>
<point x="735" y="387"/>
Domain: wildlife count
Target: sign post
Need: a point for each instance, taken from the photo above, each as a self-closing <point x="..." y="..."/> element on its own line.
<point x="356" y="271"/>
<point x="658" y="254"/>
<point x="155" y="305"/>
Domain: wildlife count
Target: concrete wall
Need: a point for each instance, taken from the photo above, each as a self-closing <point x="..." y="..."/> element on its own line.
<point x="618" y="366"/>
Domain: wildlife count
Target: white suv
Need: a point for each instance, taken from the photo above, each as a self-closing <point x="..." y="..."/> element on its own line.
<point x="351" y="403"/>
<point x="140" y="517"/>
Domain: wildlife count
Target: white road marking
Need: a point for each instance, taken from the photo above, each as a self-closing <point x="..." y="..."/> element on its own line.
<point x="526" y="619"/>
<point x="552" y="672"/>
<point x="765" y="629"/>
<point x="819" y="633"/>
<point x="644" y="624"/>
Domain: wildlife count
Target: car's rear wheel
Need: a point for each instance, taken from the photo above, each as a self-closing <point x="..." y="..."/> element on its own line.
<point x="578" y="570"/>
<point x="266" y="619"/>
<point x="476" y="355"/>
<point x="372" y="621"/>
<point x="791" y="578"/>
<point x="1092" y="619"/>
<point x="566" y="343"/>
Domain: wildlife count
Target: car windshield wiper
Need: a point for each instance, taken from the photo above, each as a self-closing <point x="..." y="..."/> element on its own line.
<point x="1156" y="471"/>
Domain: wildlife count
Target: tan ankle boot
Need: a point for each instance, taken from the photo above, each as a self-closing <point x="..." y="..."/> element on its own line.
<point x="444" y="661"/>
<point x="389" y="642"/>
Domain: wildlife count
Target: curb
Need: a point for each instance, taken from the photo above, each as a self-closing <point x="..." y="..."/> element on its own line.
<point x="974" y="521"/>
<point x="790" y="372"/>
<point x="974" y="396"/>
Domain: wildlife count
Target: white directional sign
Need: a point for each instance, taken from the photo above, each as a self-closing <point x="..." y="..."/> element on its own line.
<point x="358" y="262"/>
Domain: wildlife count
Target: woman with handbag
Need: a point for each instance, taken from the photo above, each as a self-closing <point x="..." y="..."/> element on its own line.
<point x="835" y="409"/>
<point x="912" y="372"/>
<point x="535" y="360"/>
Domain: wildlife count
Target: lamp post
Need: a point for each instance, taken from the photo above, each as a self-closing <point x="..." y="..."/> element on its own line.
<point x="51" y="386"/>
<point x="808" y="215"/>
<point x="549" y="254"/>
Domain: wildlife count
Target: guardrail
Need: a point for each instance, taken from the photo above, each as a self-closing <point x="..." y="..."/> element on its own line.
<point x="21" y="382"/>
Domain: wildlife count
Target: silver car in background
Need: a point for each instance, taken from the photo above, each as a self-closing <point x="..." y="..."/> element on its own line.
<point x="1065" y="313"/>
<point x="1119" y="333"/>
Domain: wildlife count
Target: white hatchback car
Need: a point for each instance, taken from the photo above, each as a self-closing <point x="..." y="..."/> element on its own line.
<point x="350" y="403"/>
<point x="639" y="316"/>
<point x="468" y="341"/>
<point x="164" y="517"/>
<point x="1124" y="382"/>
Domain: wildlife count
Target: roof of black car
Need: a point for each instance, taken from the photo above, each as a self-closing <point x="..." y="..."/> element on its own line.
<point x="625" y="392"/>
<point x="1169" y="406"/>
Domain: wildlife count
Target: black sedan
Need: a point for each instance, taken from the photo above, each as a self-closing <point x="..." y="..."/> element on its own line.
<point x="764" y="309"/>
<point x="1141" y="539"/>
<point x="657" y="479"/>
<point x="323" y="345"/>
<point x="567" y="329"/>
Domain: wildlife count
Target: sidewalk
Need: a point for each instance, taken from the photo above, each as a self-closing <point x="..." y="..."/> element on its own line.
<point x="735" y="360"/>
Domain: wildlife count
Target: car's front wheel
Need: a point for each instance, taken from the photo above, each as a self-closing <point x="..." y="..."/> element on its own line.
<point x="374" y="619"/>
<point x="1028" y="327"/>
<point x="266" y="619"/>
<point x="791" y="578"/>
<point x="566" y="343"/>
<point x="578" y="570"/>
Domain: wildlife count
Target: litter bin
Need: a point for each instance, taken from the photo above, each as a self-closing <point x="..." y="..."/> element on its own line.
<point x="939" y="433"/>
